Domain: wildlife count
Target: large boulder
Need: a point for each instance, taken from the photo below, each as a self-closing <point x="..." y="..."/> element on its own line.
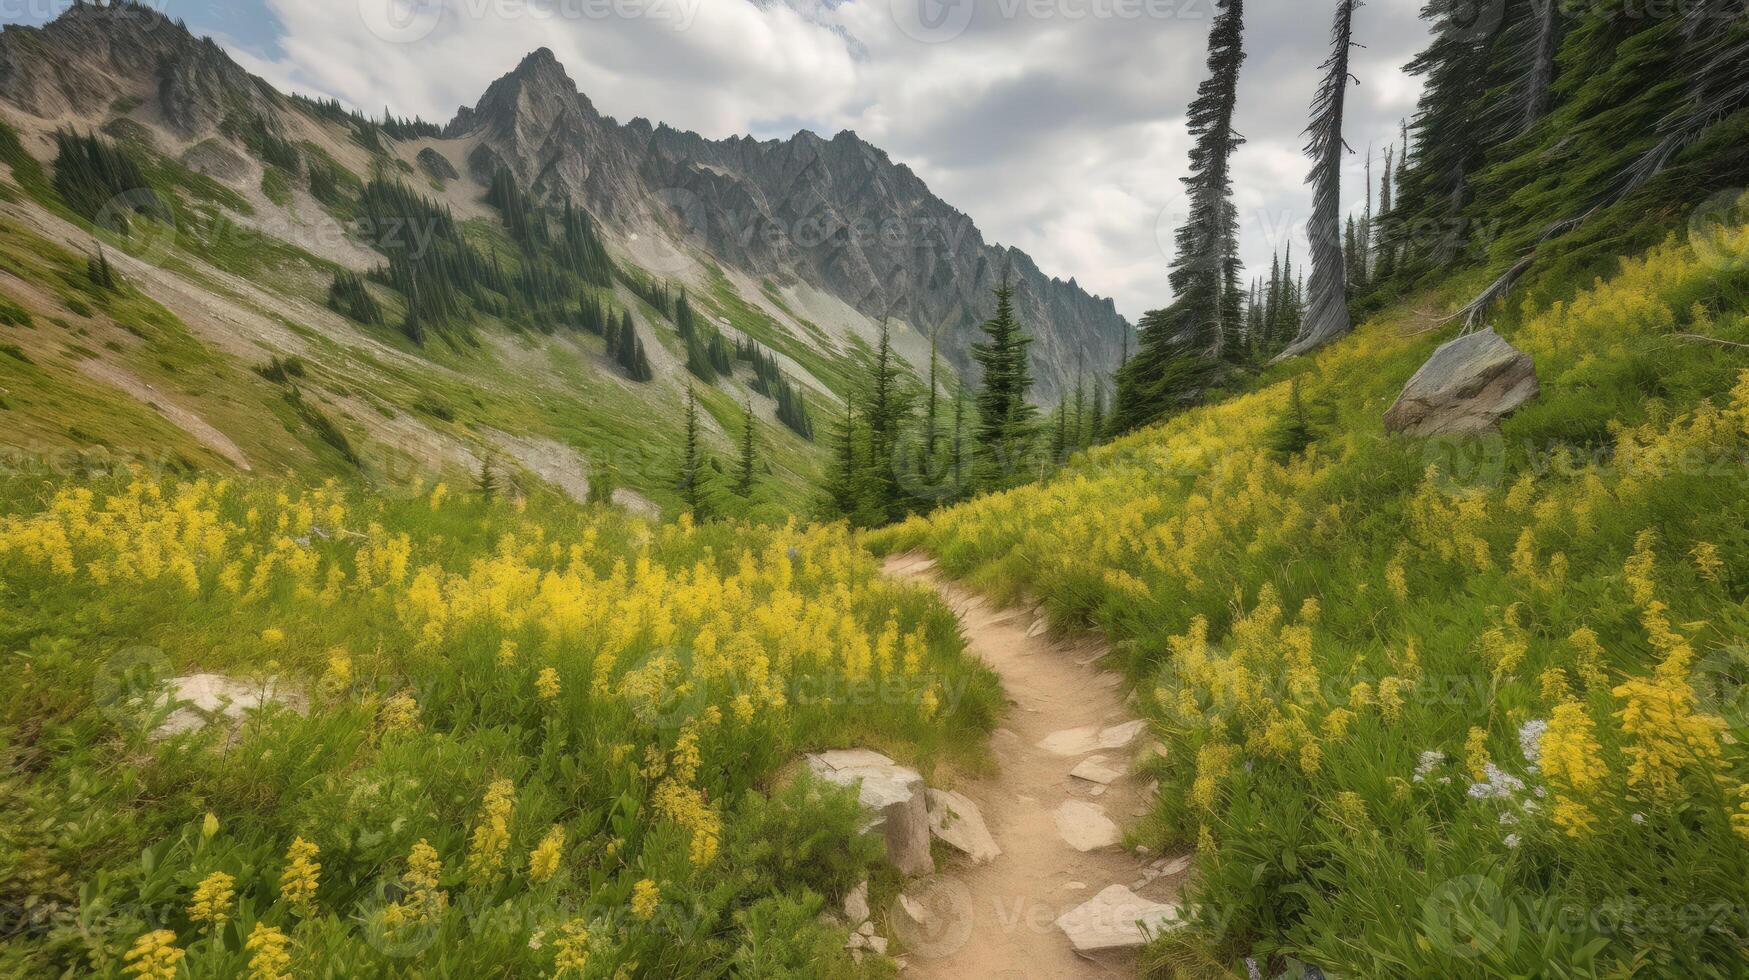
<point x="1116" y="919"/>
<point x="1466" y="387"/>
<point x="894" y="794"/>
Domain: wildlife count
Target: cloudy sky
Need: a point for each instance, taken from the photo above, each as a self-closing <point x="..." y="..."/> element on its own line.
<point x="1058" y="125"/>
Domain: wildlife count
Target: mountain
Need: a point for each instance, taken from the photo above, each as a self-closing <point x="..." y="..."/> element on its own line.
<point x="246" y="209"/>
<point x="832" y="217"/>
<point x="837" y="214"/>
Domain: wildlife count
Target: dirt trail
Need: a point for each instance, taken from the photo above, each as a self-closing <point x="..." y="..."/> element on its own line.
<point x="1053" y="689"/>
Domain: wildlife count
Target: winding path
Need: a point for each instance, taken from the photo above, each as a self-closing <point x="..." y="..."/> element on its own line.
<point x="1059" y="704"/>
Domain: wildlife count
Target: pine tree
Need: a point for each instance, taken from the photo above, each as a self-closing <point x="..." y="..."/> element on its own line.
<point x="486" y="484"/>
<point x="931" y="431"/>
<point x="1060" y="436"/>
<point x="845" y="466"/>
<point x="1096" y="427"/>
<point x="744" y="469"/>
<point x="1385" y="254"/>
<point x="690" y="455"/>
<point x="1205" y="313"/>
<point x="883" y="419"/>
<point x="1327" y="316"/>
<point x="1005" y="418"/>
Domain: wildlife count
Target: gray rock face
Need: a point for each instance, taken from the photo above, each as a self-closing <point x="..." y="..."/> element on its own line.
<point x="1466" y="387"/>
<point x="84" y="60"/>
<point x="436" y="165"/>
<point x="836" y="213"/>
<point x="893" y="793"/>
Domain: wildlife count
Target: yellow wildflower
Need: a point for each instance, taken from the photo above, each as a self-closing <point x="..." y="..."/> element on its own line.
<point x="270" y="958"/>
<point x="544" y="861"/>
<point x="1740" y="818"/>
<point x="507" y="653"/>
<point x="1476" y="754"/>
<point x="645" y="897"/>
<point x="492" y="832"/>
<point x="547" y="684"/>
<point x="209" y="827"/>
<point x="1589" y="655"/>
<point x="1571" y="756"/>
<point x="272" y="635"/>
<point x="1573" y="817"/>
<point x="1555" y="688"/>
<point x="400" y="713"/>
<point x="571" y="949"/>
<point x="213" y="898"/>
<point x="298" y="882"/>
<point x="154" y="956"/>
<point x="1707" y="560"/>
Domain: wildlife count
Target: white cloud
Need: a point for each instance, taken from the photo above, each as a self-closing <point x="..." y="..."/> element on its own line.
<point x="1056" y="124"/>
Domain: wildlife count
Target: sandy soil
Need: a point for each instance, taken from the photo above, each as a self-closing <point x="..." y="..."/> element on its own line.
<point x="1013" y="902"/>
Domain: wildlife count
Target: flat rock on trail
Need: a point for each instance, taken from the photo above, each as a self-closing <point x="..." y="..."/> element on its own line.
<point x="1012" y="903"/>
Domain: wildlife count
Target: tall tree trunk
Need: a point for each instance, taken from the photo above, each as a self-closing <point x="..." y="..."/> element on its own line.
<point x="1327" y="312"/>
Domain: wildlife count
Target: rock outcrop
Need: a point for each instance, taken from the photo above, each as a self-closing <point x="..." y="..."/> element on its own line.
<point x="1466" y="387"/>
<point x="836" y="213"/>
<point x="894" y="794"/>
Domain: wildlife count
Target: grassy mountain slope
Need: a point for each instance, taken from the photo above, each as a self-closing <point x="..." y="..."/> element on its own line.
<point x="232" y="280"/>
<point x="1437" y="707"/>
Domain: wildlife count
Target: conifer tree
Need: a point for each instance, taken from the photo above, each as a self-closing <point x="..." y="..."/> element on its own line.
<point x="1205" y="311"/>
<point x="744" y="467"/>
<point x="1327" y="316"/>
<point x="1005" y="417"/>
<point x="690" y="455"/>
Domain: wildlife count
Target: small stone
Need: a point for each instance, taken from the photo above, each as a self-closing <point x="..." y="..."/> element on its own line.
<point x="856" y="941"/>
<point x="866" y="929"/>
<point x="1096" y="791"/>
<point x="1096" y="769"/>
<point x="1116" y="918"/>
<point x="878" y="944"/>
<point x="1118" y="736"/>
<point x="958" y="822"/>
<point x="1085" y="827"/>
<point x="1072" y="741"/>
<point x="1175" y="865"/>
<point x="1038" y="628"/>
<point x="856" y="904"/>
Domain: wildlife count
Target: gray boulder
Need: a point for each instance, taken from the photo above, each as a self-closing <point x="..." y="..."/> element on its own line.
<point x="894" y="794"/>
<point x="1466" y="387"/>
